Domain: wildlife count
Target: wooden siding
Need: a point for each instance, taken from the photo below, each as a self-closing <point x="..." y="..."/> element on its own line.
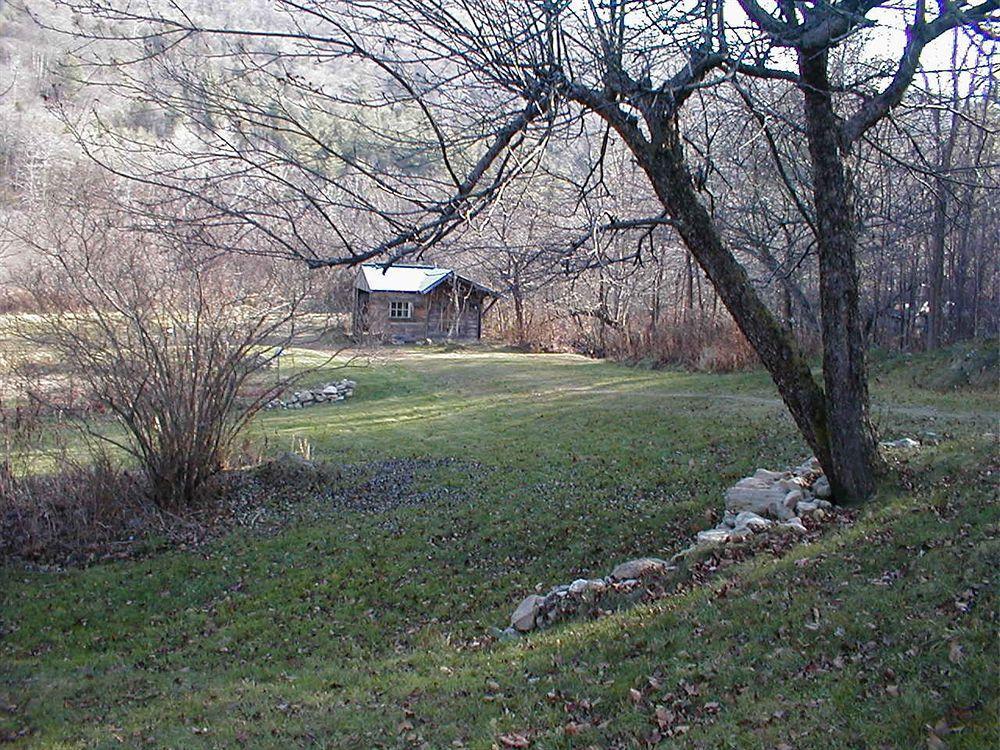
<point x="440" y="314"/>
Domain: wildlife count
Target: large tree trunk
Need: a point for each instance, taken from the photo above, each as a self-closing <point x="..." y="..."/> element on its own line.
<point x="853" y="450"/>
<point x="519" y="321"/>
<point x="665" y="167"/>
<point x="836" y="424"/>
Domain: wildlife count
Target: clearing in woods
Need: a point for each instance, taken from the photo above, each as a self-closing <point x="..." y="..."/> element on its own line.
<point x="477" y="476"/>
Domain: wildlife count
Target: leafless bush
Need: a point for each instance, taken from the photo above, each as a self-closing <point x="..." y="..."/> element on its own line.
<point x="64" y="508"/>
<point x="12" y="301"/>
<point x="533" y="325"/>
<point x="700" y="343"/>
<point x="72" y="513"/>
<point x="722" y="347"/>
<point x="21" y="432"/>
<point x="169" y="342"/>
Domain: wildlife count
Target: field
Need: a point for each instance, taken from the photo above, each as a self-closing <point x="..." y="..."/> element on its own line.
<point x="478" y="475"/>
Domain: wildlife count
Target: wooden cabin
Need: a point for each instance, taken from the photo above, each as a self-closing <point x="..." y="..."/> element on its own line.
<point x="405" y="302"/>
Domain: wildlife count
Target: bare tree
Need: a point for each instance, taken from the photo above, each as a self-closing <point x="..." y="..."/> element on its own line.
<point x="167" y="343"/>
<point x="488" y="86"/>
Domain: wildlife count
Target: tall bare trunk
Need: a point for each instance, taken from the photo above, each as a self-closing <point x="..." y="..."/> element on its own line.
<point x="939" y="231"/>
<point x="853" y="451"/>
<point x="836" y="424"/>
<point x="665" y="167"/>
<point x="520" y="325"/>
<point x="935" y="267"/>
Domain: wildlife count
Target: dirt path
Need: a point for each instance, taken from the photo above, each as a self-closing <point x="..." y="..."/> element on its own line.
<point x="878" y="407"/>
<point x="919" y="412"/>
<point x="929" y="412"/>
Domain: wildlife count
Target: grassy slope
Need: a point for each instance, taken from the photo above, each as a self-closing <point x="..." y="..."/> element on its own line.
<point x="355" y="630"/>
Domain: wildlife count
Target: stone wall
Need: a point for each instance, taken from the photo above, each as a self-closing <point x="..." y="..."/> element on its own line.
<point x="322" y="394"/>
<point x="795" y="502"/>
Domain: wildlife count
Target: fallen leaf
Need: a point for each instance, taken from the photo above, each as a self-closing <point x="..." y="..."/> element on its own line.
<point x="664" y="717"/>
<point x="955" y="652"/>
<point x="934" y="741"/>
<point x="514" y="740"/>
<point x="573" y="728"/>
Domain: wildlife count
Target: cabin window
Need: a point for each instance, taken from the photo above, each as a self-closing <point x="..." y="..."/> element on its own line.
<point x="400" y="310"/>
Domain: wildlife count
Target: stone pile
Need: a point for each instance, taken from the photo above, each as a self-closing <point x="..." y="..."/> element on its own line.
<point x="765" y="502"/>
<point x="771" y="498"/>
<point x="585" y="595"/>
<point x="322" y="394"/>
<point x="908" y="444"/>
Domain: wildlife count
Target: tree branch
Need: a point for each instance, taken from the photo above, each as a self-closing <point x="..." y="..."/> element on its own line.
<point x="918" y="36"/>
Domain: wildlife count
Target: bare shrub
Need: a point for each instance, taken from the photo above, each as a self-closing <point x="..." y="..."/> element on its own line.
<point x="73" y="513"/>
<point x="706" y="345"/>
<point x="536" y="325"/>
<point x="700" y="343"/>
<point x="12" y="301"/>
<point x="52" y="506"/>
<point x="169" y="342"/>
<point x="21" y="433"/>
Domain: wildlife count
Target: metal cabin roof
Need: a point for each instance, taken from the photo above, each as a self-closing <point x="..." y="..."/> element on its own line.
<point x="410" y="278"/>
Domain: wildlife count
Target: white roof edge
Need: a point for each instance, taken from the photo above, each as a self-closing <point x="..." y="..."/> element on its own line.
<point x="409" y="278"/>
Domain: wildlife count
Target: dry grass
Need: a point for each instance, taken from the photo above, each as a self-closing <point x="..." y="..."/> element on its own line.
<point x="700" y="343"/>
<point x="80" y="513"/>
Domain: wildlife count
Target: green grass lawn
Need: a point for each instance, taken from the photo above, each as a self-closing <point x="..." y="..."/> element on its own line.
<point x="356" y="629"/>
